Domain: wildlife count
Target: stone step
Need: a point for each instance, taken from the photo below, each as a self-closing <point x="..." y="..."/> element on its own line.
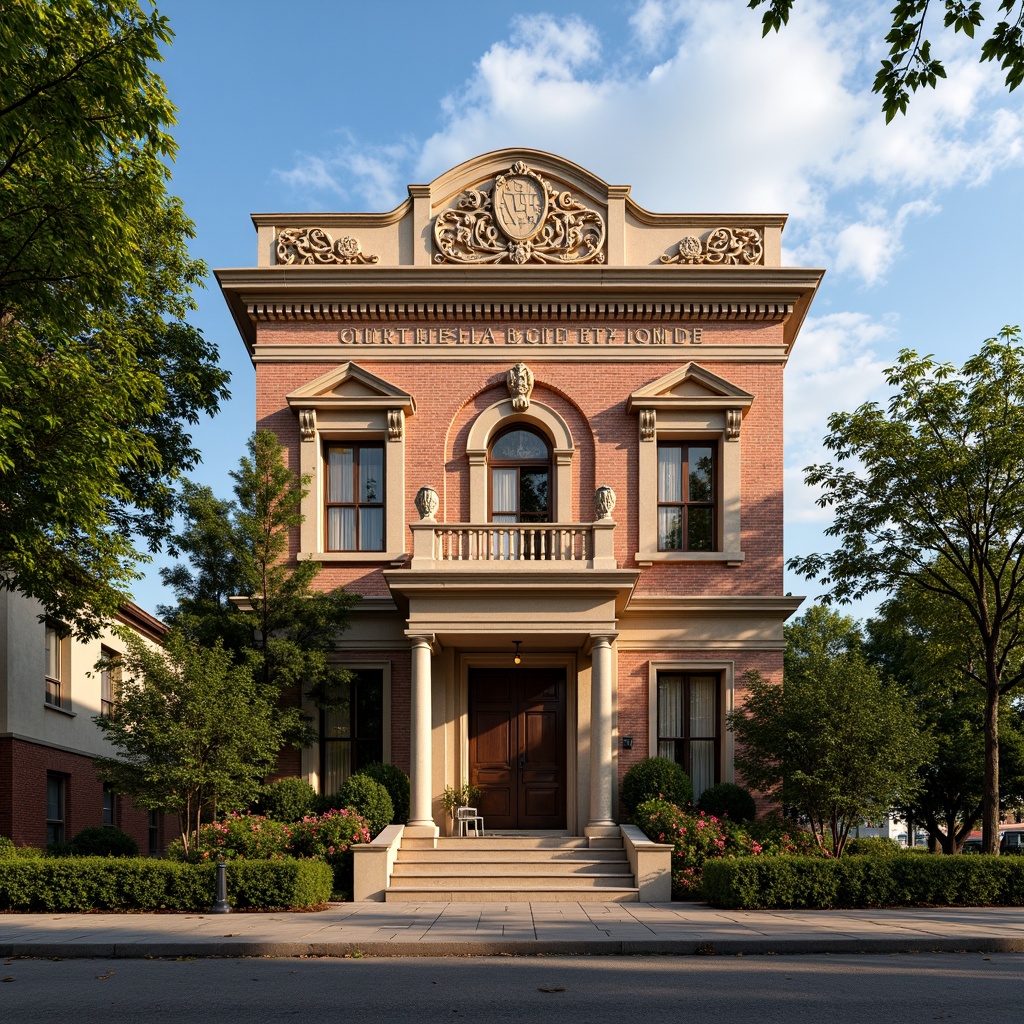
<point x="509" y="843"/>
<point x="499" y="869"/>
<point x="526" y="856"/>
<point x="541" y="878"/>
<point x="512" y="894"/>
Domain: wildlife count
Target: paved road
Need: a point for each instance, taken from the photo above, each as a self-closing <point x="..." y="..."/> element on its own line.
<point x="971" y="988"/>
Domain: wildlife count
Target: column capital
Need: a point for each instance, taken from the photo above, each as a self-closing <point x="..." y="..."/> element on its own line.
<point x="601" y="640"/>
<point x="421" y="639"/>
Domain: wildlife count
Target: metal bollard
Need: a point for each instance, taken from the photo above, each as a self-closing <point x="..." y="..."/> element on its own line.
<point x="221" y="905"/>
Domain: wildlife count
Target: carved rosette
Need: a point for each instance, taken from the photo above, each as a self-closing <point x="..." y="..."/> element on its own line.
<point x="427" y="502"/>
<point x="315" y="246"/>
<point x="520" y="386"/>
<point x="522" y="219"/>
<point x="723" y="246"/>
<point x="307" y="424"/>
<point x="604" y="502"/>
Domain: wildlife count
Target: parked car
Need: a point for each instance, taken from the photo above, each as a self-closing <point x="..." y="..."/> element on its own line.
<point x="1011" y="842"/>
<point x="971" y="845"/>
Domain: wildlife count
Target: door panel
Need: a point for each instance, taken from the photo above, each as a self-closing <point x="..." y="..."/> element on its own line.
<point x="517" y="746"/>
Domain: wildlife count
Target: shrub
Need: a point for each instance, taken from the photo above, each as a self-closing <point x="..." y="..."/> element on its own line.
<point x="727" y="800"/>
<point x="330" y="837"/>
<point x="655" y="778"/>
<point x="61" y="849"/>
<point x="778" y="835"/>
<point x="904" y="880"/>
<point x="237" y="836"/>
<point x="7" y="848"/>
<point x="695" y="839"/>
<point x="103" y="883"/>
<point x="872" y="846"/>
<point x="104" y="841"/>
<point x="370" y="799"/>
<point x="396" y="782"/>
<point x="286" y="800"/>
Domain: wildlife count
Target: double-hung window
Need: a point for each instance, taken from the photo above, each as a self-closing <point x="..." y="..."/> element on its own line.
<point x="54" y="666"/>
<point x="110" y="678"/>
<point x="686" y="496"/>
<point x="55" y="792"/>
<point x="355" y="497"/>
<point x="689" y="713"/>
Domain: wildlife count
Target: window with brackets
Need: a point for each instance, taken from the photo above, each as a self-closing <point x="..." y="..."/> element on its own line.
<point x="352" y="447"/>
<point x="689" y="467"/>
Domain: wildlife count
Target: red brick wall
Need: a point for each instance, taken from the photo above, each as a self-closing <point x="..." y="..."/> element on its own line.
<point x="23" y="770"/>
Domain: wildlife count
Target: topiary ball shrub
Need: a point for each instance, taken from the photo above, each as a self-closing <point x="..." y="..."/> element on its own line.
<point x="370" y="799"/>
<point x="727" y="800"/>
<point x="103" y="841"/>
<point x="655" y="778"/>
<point x="286" y="800"/>
<point x="396" y="782"/>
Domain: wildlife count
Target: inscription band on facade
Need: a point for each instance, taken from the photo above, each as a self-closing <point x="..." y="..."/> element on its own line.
<point x="512" y="336"/>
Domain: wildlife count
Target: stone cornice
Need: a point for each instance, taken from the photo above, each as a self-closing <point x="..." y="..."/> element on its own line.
<point x="373" y="293"/>
<point x="708" y="604"/>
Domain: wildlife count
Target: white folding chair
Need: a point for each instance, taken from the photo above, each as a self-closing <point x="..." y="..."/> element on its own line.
<point x="467" y="821"/>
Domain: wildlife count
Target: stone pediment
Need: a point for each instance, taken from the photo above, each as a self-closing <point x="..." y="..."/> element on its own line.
<point x="352" y="387"/>
<point x="690" y="388"/>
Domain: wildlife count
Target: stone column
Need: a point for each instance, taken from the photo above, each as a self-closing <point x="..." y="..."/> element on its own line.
<point x="602" y="777"/>
<point x="421" y="821"/>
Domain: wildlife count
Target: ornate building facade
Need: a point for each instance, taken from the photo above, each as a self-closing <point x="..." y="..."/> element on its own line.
<point x="543" y="430"/>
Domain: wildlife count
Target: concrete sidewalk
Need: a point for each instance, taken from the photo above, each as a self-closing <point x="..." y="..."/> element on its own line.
<point x="489" y="929"/>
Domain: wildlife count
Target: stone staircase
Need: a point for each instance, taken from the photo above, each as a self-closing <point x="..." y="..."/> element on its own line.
<point x="512" y="869"/>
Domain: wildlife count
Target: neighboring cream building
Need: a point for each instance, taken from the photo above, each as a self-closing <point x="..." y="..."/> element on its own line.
<point x="50" y="691"/>
<point x="537" y="418"/>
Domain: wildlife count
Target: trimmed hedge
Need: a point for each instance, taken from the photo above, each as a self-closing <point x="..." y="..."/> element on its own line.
<point x="791" y="883"/>
<point x="102" y="883"/>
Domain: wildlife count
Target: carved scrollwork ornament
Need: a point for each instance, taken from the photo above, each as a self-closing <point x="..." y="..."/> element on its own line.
<point x="648" y="424"/>
<point x="427" y="502"/>
<point x="723" y="247"/>
<point x="604" y="502"/>
<point x="304" y="246"/>
<point x="733" y="422"/>
<point x="396" y="424"/>
<point x="307" y="424"/>
<point x="522" y="219"/>
<point x="519" y="382"/>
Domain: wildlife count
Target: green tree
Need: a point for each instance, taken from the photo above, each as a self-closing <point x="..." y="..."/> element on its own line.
<point x="238" y="585"/>
<point x="833" y="741"/>
<point x="193" y="729"/>
<point x="99" y="373"/>
<point x="927" y="496"/>
<point x="910" y="65"/>
<point x="926" y="645"/>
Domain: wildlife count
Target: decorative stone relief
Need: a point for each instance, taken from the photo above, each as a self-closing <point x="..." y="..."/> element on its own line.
<point x="427" y="502"/>
<point x="604" y="502"/>
<point x="733" y="422"/>
<point x="314" y="245"/>
<point x="727" y="246"/>
<point x="522" y="219"/>
<point x="307" y="424"/>
<point x="520" y="386"/>
<point x="648" y="424"/>
<point x="396" y="424"/>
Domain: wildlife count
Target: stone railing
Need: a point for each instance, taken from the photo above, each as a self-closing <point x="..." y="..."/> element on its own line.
<point x="559" y="547"/>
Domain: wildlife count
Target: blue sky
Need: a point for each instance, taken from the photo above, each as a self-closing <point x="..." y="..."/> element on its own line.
<point x="330" y="105"/>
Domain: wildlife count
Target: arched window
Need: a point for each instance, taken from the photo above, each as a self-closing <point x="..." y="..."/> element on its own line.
<point x="520" y="467"/>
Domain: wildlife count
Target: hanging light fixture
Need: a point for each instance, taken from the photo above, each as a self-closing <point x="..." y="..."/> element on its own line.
<point x="517" y="659"/>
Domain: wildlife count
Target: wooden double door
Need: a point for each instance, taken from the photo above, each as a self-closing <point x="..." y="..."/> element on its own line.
<point x="517" y="746"/>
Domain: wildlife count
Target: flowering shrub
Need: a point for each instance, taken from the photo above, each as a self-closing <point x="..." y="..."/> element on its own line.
<point x="778" y="835"/>
<point x="330" y="837"/>
<point x="695" y="838"/>
<point x="238" y="836"/>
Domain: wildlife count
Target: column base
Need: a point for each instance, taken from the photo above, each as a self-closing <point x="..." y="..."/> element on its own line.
<point x="601" y="831"/>
<point x="421" y="831"/>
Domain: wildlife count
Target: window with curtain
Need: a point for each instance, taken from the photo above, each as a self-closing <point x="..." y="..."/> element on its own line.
<point x="110" y="680"/>
<point x="355" y="497"/>
<point x="53" y="668"/>
<point x="686" y="496"/>
<point x="688" y="730"/>
<point x="520" y="465"/>
<point x="352" y="732"/>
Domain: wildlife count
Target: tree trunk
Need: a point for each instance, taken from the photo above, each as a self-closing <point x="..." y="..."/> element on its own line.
<point x="990" y="805"/>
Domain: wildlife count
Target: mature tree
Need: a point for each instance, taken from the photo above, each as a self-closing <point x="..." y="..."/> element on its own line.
<point x="834" y="741"/>
<point x="193" y="728"/>
<point x="241" y="588"/>
<point x="910" y="65"/>
<point x="928" y="495"/>
<point x="99" y="373"/>
<point x="926" y="644"/>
